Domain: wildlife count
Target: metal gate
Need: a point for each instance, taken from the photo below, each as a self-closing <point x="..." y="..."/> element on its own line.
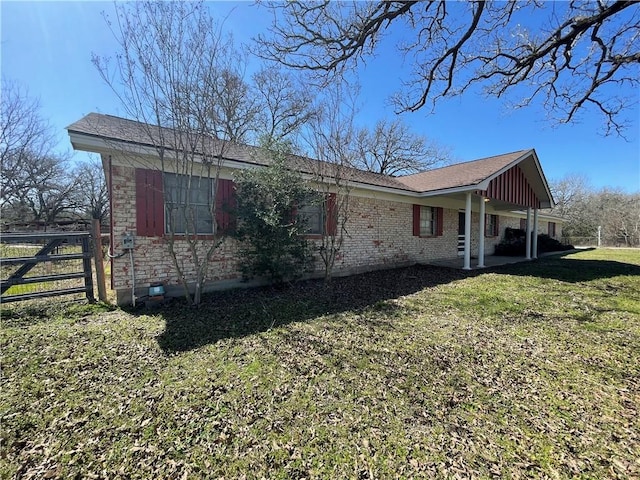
<point x="69" y="254"/>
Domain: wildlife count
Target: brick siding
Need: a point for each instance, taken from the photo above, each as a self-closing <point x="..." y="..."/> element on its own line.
<point x="379" y="235"/>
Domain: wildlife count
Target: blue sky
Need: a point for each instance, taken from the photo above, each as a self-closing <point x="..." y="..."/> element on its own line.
<point x="47" y="47"/>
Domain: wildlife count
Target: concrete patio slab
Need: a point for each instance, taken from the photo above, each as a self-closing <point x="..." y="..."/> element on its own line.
<point x="489" y="260"/>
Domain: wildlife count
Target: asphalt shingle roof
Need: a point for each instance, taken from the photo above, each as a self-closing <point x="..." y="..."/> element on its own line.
<point x="109" y="127"/>
<point x="461" y="174"/>
<point x="112" y="128"/>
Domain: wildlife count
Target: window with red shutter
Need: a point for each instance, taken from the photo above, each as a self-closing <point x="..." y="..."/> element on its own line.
<point x="427" y="221"/>
<point x="188" y="204"/>
<point x="320" y="215"/>
<point x="189" y="201"/>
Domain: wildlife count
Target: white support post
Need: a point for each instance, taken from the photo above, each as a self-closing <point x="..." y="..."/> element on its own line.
<point x="481" y="234"/>
<point x="534" y="253"/>
<point x="528" y="239"/>
<point x="467" y="233"/>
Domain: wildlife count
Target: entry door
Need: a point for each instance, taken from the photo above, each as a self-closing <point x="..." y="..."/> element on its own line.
<point x="460" y="234"/>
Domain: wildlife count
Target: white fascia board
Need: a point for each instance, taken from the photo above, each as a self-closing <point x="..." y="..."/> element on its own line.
<point x="375" y="188"/>
<point x="552" y="202"/>
<point x="91" y="143"/>
<point x="485" y="184"/>
<point x="545" y="184"/>
<point x="94" y="144"/>
<point x="507" y="167"/>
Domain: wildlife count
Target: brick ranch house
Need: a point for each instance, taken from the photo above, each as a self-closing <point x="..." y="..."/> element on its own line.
<point x="458" y="210"/>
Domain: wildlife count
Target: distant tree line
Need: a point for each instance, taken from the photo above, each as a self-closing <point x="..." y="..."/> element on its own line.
<point x="585" y="208"/>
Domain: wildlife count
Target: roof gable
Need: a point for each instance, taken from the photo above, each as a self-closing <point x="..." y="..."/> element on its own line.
<point x="478" y="174"/>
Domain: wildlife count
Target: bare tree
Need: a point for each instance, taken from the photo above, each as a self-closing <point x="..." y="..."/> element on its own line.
<point x="583" y="54"/>
<point x="332" y="141"/>
<point x="392" y="149"/>
<point x="573" y="195"/>
<point x="569" y="192"/>
<point x="24" y="135"/>
<point x="236" y="108"/>
<point x="618" y="213"/>
<point x="35" y="186"/>
<point x="42" y="190"/>
<point x="584" y="209"/>
<point x="93" y="198"/>
<point x="284" y="105"/>
<point x="172" y="67"/>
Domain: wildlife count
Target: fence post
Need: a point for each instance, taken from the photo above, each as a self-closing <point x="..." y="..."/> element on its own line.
<point x="88" y="271"/>
<point x="98" y="260"/>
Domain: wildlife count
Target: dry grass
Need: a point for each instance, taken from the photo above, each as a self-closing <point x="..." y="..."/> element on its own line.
<point x="526" y="371"/>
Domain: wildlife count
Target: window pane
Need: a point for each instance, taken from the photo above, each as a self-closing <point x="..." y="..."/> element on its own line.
<point x="204" y="219"/>
<point x="427" y="221"/>
<point x="492" y="226"/>
<point x="175" y="219"/>
<point x="312" y="216"/>
<point x="188" y="204"/>
<point x="201" y="191"/>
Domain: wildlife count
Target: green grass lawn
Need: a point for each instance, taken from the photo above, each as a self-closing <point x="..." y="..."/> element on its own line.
<point x="524" y="371"/>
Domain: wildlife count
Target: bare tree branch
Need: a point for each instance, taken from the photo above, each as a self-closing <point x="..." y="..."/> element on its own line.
<point x="180" y="77"/>
<point x="584" y="54"/>
<point x="392" y="149"/>
<point x="93" y="198"/>
<point x="283" y="104"/>
<point x="24" y="135"/>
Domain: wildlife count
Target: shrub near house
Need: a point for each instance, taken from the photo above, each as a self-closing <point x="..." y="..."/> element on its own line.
<point x="271" y="234"/>
<point x="515" y="239"/>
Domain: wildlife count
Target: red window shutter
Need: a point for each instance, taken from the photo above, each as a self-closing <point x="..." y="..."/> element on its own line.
<point x="331" y="222"/>
<point x="416" y="220"/>
<point x="225" y="206"/>
<point x="439" y="221"/>
<point x="149" y="203"/>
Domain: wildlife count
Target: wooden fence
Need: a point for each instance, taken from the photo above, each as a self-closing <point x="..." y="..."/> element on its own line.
<point x="71" y="251"/>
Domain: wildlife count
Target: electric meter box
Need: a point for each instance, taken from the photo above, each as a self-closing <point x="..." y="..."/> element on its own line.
<point x="127" y="241"/>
